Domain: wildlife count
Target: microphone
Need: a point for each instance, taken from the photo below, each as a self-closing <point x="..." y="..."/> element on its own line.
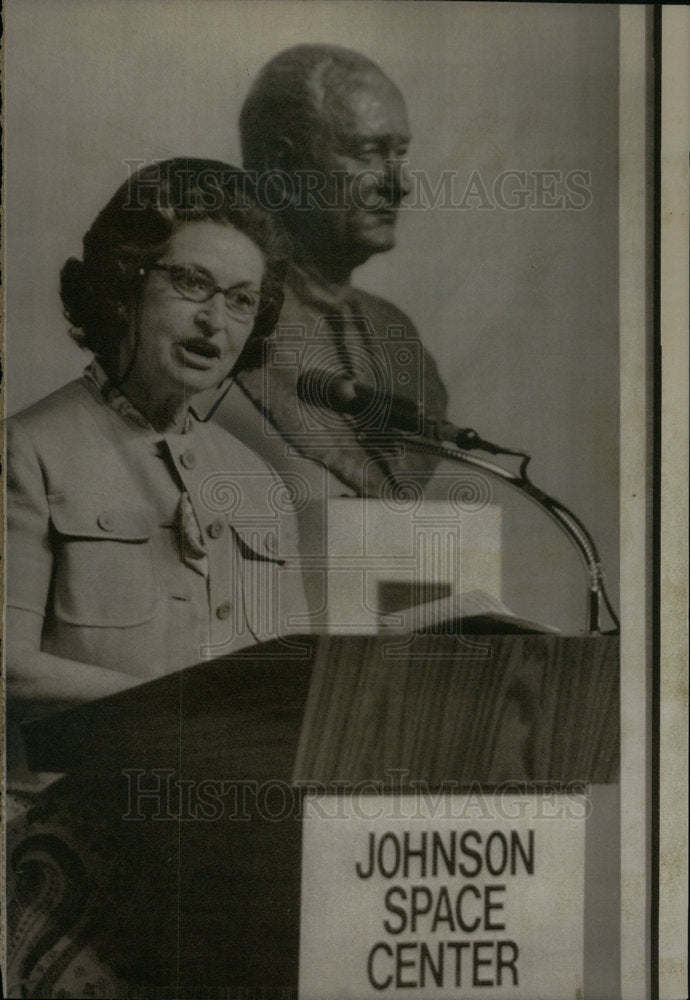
<point x="376" y="409"/>
<point x="370" y="406"/>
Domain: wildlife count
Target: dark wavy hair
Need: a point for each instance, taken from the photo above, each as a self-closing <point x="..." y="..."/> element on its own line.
<point x="133" y="231"/>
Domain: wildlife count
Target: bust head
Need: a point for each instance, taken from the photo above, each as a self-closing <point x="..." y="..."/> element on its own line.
<point x="330" y="129"/>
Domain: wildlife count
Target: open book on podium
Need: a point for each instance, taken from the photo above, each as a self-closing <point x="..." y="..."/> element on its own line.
<point x="408" y="564"/>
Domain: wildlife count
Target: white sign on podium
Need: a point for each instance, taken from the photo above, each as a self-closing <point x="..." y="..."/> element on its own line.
<point x="439" y="896"/>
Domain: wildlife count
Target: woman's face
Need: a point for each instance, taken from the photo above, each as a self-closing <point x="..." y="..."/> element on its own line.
<point x="184" y="347"/>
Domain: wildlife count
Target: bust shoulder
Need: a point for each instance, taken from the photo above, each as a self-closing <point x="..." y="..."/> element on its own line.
<point x="389" y="312"/>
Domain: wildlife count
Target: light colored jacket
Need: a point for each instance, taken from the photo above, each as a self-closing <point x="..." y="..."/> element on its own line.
<point x="95" y="540"/>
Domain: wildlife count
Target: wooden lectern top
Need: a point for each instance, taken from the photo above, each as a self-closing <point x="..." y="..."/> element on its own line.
<point x="439" y="709"/>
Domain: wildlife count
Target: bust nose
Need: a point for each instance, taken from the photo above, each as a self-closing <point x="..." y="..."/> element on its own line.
<point x="397" y="178"/>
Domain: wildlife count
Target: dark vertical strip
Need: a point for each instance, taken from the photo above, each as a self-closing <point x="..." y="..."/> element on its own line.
<point x="655" y="465"/>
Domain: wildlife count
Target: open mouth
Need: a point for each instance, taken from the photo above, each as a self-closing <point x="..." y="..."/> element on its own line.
<point x="202" y="348"/>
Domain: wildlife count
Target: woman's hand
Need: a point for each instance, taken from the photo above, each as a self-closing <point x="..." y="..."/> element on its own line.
<point x="39" y="683"/>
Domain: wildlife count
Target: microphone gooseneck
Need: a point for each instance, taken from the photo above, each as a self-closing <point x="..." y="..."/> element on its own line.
<point x="376" y="410"/>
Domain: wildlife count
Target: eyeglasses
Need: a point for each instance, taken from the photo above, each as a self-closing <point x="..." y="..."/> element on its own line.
<point x="197" y="286"/>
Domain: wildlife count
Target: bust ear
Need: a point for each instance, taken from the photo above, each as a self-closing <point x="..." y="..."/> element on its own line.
<point x="281" y="154"/>
<point x="281" y="160"/>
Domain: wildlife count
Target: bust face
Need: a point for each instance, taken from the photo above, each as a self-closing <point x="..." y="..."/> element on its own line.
<point x="358" y="174"/>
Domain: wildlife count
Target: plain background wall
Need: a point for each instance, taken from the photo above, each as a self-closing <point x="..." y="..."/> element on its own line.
<point x="519" y="307"/>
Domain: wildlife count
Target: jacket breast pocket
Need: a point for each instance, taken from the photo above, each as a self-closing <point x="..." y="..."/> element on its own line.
<point x="104" y="574"/>
<point x="272" y="583"/>
<point x="261" y="566"/>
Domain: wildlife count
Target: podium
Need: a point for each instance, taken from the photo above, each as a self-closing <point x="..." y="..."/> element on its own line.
<point x="194" y="782"/>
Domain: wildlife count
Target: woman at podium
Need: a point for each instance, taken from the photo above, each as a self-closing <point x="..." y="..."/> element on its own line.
<point x="143" y="538"/>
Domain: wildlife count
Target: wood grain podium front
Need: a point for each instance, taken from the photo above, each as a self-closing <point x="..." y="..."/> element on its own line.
<point x="197" y="777"/>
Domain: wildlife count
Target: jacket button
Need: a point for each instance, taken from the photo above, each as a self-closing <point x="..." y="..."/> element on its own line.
<point x="106" y="521"/>
<point x="223" y="610"/>
<point x="216" y="528"/>
<point x="188" y="458"/>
